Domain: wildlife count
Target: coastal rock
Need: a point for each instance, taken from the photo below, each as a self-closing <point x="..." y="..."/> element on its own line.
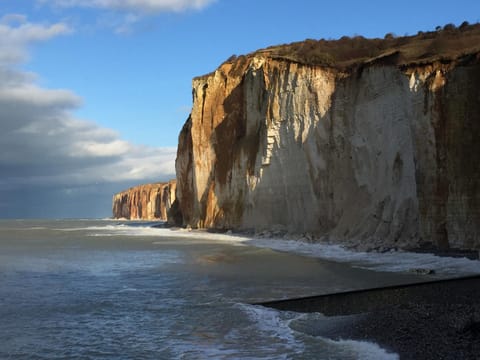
<point x="382" y="154"/>
<point x="145" y="202"/>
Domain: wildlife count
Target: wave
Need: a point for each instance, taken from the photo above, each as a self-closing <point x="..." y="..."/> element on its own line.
<point x="143" y="229"/>
<point x="364" y="350"/>
<point x="281" y="325"/>
<point x="275" y="324"/>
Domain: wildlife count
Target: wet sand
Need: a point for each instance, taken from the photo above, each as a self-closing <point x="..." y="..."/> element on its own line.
<point x="436" y="320"/>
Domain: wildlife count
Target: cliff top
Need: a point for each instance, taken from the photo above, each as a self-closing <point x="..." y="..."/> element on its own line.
<point x="444" y="44"/>
<point x="146" y="186"/>
<point x="447" y="43"/>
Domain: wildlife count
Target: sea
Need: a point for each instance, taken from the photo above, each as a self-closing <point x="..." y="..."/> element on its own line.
<point x="107" y="289"/>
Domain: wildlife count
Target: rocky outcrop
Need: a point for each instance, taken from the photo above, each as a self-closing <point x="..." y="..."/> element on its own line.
<point x="146" y="202"/>
<point x="379" y="153"/>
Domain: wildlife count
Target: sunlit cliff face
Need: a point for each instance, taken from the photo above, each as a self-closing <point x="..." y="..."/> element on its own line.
<point x="146" y="202"/>
<point x="380" y="155"/>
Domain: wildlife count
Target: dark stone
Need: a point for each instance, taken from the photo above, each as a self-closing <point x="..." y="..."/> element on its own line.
<point x="433" y="320"/>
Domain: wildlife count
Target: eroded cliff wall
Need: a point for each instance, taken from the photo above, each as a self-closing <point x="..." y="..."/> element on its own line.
<point x="146" y="202"/>
<point x="380" y="155"/>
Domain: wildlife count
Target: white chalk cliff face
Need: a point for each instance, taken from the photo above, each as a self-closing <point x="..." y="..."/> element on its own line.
<point x="380" y="155"/>
<point x="144" y="202"/>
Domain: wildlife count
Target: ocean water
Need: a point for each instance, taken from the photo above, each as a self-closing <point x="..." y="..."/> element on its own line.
<point x="98" y="289"/>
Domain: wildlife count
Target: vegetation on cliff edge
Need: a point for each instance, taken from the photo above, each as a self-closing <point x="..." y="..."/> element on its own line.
<point x="444" y="44"/>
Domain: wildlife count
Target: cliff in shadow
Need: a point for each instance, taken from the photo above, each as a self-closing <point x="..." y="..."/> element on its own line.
<point x="146" y="202"/>
<point x="369" y="142"/>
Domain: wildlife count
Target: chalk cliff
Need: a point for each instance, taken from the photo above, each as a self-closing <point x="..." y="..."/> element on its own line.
<point x="381" y="151"/>
<point x="146" y="202"/>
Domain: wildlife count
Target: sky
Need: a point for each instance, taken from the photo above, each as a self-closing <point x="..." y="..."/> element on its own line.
<point x="93" y="93"/>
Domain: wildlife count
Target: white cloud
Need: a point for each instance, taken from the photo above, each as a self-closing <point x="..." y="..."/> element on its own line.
<point x="98" y="149"/>
<point x="27" y="32"/>
<point x="121" y="16"/>
<point x="145" y="6"/>
<point x="40" y="139"/>
<point x="42" y="144"/>
<point x="16" y="33"/>
<point x="30" y="94"/>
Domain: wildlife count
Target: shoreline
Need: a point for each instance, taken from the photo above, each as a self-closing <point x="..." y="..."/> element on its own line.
<point x="424" y="261"/>
<point x="434" y="320"/>
<point x="275" y="234"/>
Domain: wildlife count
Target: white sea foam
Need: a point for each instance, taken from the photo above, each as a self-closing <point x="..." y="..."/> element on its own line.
<point x="362" y="350"/>
<point x="100" y="262"/>
<point x="203" y="235"/>
<point x="277" y="324"/>
<point x="127" y="289"/>
<point x="117" y="229"/>
<point x="183" y="349"/>
<point x="391" y="262"/>
<point x="150" y="231"/>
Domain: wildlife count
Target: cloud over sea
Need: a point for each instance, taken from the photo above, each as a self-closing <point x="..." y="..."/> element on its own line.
<point x="53" y="164"/>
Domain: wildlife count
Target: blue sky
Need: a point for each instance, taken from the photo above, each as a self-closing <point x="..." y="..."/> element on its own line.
<point x="95" y="91"/>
